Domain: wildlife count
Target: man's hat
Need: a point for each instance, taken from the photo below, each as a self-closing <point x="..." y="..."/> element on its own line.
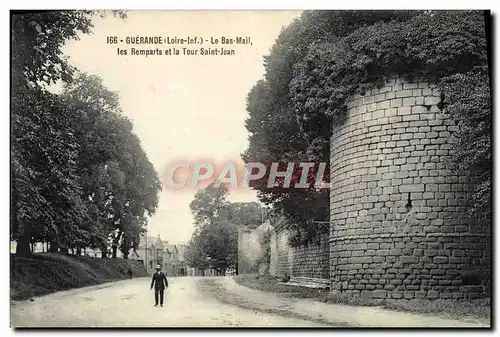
<point x="158" y="266"/>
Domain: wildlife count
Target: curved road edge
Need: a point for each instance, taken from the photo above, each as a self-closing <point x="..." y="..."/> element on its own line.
<point x="226" y="290"/>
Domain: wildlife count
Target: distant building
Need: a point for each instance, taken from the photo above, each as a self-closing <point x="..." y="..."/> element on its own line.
<point x="149" y="252"/>
<point x="175" y="264"/>
<point x="153" y="250"/>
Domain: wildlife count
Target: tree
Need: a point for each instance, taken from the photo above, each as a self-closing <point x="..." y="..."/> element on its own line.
<point x="45" y="187"/>
<point x="37" y="40"/>
<point x="195" y="255"/>
<point x="43" y="147"/>
<point x="207" y="203"/>
<point x="41" y="144"/>
<point x="470" y="104"/>
<point x="79" y="174"/>
<point x="127" y="187"/>
<point x="217" y="223"/>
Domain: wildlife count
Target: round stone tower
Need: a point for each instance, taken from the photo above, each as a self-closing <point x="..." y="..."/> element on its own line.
<point x="398" y="228"/>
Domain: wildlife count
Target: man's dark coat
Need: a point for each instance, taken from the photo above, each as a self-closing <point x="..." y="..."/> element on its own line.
<point x="159" y="281"/>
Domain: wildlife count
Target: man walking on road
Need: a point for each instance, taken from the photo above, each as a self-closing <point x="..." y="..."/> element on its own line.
<point x="160" y="283"/>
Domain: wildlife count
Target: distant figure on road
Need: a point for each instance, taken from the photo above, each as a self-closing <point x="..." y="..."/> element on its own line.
<point x="160" y="283"/>
<point x="130" y="272"/>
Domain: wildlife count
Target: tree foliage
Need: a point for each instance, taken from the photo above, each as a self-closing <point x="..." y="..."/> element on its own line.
<point x="80" y="177"/>
<point x="37" y="38"/>
<point x="469" y="94"/>
<point x="324" y="57"/>
<point x="127" y="185"/>
<point x="217" y="222"/>
<point x="44" y="164"/>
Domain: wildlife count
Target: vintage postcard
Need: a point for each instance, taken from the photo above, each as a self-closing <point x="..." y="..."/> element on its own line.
<point x="318" y="168"/>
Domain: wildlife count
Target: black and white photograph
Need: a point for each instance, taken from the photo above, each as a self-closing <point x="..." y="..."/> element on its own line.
<point x="251" y="169"/>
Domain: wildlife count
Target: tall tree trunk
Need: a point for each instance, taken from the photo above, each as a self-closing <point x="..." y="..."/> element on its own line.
<point x="54" y="247"/>
<point x="116" y="241"/>
<point x="23" y="242"/>
<point x="104" y="252"/>
<point x="14" y="223"/>
<point x="23" y="246"/>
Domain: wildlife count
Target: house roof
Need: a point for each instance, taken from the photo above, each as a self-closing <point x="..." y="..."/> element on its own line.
<point x="171" y="247"/>
<point x="158" y="243"/>
<point x="143" y="241"/>
<point x="150" y="240"/>
<point x="182" y="250"/>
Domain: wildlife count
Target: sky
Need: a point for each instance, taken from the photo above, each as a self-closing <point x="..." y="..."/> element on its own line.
<point x="183" y="107"/>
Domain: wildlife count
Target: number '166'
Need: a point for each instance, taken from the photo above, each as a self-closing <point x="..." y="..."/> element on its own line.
<point x="112" y="40"/>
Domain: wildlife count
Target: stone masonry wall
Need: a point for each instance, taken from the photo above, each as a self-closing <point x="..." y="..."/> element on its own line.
<point x="253" y="250"/>
<point x="310" y="260"/>
<point x="397" y="208"/>
<point x="247" y="245"/>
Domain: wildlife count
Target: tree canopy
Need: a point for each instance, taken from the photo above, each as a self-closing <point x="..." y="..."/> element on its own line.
<point x="217" y="222"/>
<point x="80" y="177"/>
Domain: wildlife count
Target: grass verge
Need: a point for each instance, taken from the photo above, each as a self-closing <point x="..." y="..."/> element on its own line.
<point x="465" y="310"/>
<point x="46" y="273"/>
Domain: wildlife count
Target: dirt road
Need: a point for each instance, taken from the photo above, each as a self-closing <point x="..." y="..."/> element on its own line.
<point x="131" y="304"/>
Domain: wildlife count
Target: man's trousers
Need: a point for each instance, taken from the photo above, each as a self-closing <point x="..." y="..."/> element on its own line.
<point x="160" y="293"/>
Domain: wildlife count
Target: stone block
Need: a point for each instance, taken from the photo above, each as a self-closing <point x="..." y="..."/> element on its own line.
<point x="431" y="187"/>
<point x="408" y="259"/>
<point x="382" y="252"/>
<point x="431" y="100"/>
<point x="418" y="109"/>
<point x="396" y="294"/>
<point x="397" y="102"/>
<point x="432" y="294"/>
<point x="396" y="282"/>
<point x="379" y="294"/>
<point x="409" y="294"/>
<point x="383" y="105"/>
<point x="409" y="101"/>
<point x="404" y="93"/>
<point x="440" y="259"/>
<point x="404" y="111"/>
<point x="410" y="118"/>
<point x="412" y="188"/>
